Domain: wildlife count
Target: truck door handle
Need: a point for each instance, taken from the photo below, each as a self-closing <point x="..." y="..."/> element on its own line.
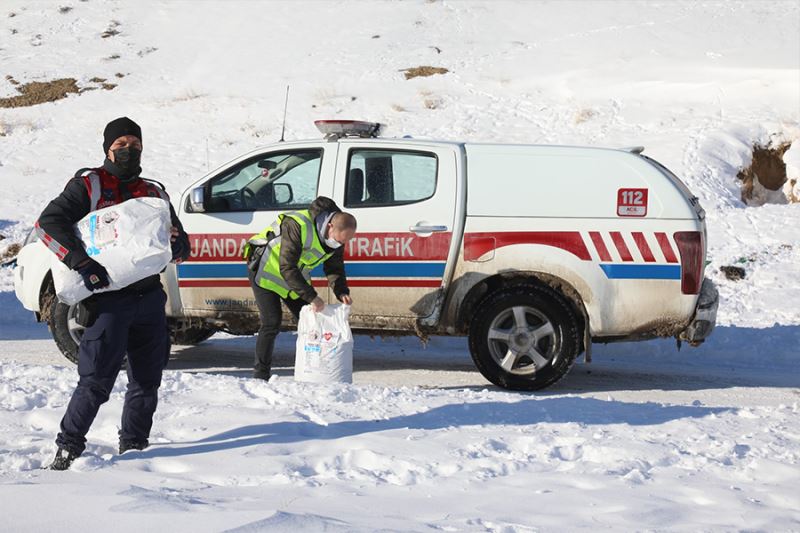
<point x="427" y="229"/>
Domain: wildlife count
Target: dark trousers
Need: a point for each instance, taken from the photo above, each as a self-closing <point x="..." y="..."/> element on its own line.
<point x="130" y="323"/>
<point x="270" y="313"/>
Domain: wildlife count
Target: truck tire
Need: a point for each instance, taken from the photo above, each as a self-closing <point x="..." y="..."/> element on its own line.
<point x="65" y="331"/>
<point x="524" y="337"/>
<point x="191" y="336"/>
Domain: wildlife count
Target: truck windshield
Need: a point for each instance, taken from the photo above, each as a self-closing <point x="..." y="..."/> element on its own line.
<point x="268" y="182"/>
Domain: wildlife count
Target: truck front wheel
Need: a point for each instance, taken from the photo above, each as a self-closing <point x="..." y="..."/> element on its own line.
<point x="65" y="330"/>
<point x="191" y="336"/>
<point x="524" y="337"/>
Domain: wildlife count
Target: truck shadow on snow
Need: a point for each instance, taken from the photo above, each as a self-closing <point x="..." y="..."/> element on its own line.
<point x="528" y="412"/>
<point x="17" y="323"/>
<point x="732" y="357"/>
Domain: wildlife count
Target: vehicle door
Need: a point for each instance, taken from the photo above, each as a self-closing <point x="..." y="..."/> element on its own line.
<point x="404" y="197"/>
<point x="239" y="201"/>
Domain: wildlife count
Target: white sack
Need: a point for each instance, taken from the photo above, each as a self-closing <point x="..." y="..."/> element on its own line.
<point x="324" y="345"/>
<point x="131" y="239"/>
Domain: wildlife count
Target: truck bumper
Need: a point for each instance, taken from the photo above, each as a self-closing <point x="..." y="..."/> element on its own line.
<point x="705" y="315"/>
<point x="19" y="288"/>
<point x="33" y="264"/>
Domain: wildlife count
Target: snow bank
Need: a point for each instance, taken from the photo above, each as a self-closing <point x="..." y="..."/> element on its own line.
<point x="363" y="457"/>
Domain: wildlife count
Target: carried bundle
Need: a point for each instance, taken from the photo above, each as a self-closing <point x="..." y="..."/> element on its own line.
<point x="131" y="240"/>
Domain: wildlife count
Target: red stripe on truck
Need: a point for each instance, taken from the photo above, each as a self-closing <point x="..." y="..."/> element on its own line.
<point x="388" y="246"/>
<point x="189" y="283"/>
<point x="666" y="247"/>
<point x="393" y="283"/>
<point x="213" y="283"/>
<point x="644" y="248"/>
<point x="622" y="248"/>
<point x="477" y="244"/>
<point x="600" y="246"/>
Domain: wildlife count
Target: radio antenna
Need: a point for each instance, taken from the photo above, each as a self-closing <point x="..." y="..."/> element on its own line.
<point x="285" y="106"/>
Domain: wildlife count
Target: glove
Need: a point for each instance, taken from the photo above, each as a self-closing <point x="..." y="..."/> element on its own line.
<point x="180" y="246"/>
<point x="345" y="298"/>
<point x="177" y="250"/>
<point x="95" y="275"/>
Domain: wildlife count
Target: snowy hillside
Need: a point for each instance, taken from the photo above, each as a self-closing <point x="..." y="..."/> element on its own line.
<point x="644" y="438"/>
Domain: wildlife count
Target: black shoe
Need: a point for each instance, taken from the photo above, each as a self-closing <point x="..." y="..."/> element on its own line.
<point x="125" y="445"/>
<point x="63" y="459"/>
<point x="262" y="376"/>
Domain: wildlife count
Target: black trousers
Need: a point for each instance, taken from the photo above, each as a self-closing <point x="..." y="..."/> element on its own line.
<point x="270" y="313"/>
<point x="130" y="323"/>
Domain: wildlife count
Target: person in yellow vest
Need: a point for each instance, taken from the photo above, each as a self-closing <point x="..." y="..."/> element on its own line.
<point x="280" y="260"/>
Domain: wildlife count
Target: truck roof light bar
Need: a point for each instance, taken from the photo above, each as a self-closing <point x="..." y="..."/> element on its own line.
<point x="633" y="149"/>
<point x="336" y="129"/>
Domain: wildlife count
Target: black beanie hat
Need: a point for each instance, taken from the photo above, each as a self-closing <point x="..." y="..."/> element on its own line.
<point x="118" y="128"/>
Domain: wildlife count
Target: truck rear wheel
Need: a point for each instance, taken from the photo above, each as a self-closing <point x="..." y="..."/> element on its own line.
<point x="524" y="337"/>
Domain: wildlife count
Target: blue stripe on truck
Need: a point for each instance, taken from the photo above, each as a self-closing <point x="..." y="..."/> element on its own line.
<point x="642" y="271"/>
<point x="354" y="270"/>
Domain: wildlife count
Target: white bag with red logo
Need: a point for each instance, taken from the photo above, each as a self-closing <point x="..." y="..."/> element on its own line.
<point x="131" y="239"/>
<point x="324" y="345"/>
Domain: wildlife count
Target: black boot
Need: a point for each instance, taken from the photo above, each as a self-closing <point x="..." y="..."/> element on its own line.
<point x="125" y="445"/>
<point x="63" y="459"/>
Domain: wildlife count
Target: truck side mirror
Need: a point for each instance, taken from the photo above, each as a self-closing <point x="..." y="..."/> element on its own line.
<point x="283" y="193"/>
<point x="196" y="199"/>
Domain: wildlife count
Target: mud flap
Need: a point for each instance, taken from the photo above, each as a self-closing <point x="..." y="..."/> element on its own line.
<point x="705" y="317"/>
<point x="587" y="342"/>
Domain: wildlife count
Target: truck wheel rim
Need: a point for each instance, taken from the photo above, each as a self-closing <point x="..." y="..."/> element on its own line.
<point x="522" y="340"/>
<point x="75" y="329"/>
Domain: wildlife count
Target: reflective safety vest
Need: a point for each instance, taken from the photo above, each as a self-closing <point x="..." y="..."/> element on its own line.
<point x="268" y="273"/>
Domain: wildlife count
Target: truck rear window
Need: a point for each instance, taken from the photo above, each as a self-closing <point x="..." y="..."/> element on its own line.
<point x="380" y="177"/>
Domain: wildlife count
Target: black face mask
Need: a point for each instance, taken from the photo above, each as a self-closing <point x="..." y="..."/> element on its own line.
<point x="127" y="160"/>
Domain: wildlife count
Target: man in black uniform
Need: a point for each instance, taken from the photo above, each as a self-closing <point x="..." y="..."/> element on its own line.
<point x="128" y="321"/>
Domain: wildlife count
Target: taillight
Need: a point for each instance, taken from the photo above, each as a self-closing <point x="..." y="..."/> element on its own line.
<point x="690" y="246"/>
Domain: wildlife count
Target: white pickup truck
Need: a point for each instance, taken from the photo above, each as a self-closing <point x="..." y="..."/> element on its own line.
<point x="533" y="252"/>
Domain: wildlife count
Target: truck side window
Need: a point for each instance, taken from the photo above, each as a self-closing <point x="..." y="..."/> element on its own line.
<point x="377" y="177"/>
<point x="267" y="182"/>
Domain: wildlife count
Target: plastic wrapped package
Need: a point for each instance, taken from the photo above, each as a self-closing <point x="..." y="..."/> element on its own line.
<point x="324" y="345"/>
<point x="131" y="240"/>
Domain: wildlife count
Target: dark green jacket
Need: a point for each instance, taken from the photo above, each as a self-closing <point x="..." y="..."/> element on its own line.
<point x="292" y="247"/>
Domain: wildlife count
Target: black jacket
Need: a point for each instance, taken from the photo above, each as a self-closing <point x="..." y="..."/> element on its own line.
<point x="59" y="217"/>
<point x="292" y="247"/>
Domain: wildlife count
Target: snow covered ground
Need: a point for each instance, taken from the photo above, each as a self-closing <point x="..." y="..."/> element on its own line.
<point x="644" y="438"/>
